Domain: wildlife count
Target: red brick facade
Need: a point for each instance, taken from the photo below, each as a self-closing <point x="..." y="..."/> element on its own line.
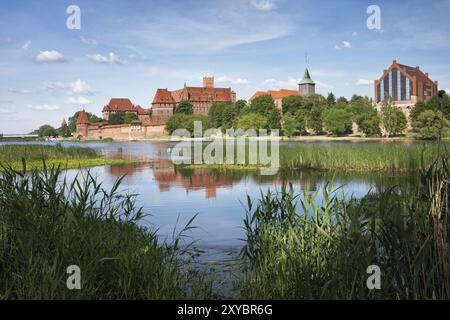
<point x="201" y="98"/>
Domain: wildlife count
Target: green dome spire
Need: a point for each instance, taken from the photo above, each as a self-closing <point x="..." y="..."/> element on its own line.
<point x="306" y="78"/>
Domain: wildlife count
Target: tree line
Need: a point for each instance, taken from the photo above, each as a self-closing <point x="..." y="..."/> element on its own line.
<point x="317" y="115"/>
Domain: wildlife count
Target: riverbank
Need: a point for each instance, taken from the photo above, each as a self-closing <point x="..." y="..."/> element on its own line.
<point x="41" y="156"/>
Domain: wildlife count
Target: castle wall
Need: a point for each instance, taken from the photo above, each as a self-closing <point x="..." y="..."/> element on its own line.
<point x="123" y="132"/>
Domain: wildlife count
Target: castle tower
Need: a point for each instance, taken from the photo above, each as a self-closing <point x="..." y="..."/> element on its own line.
<point x="307" y="86"/>
<point x="82" y="124"/>
<point x="208" y="82"/>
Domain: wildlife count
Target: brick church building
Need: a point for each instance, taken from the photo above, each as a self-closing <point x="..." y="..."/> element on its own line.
<point x="405" y="86"/>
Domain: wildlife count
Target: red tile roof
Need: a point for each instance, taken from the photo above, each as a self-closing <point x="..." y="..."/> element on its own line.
<point x="82" y="118"/>
<point x="209" y="94"/>
<point x="193" y="94"/>
<point x="141" y="111"/>
<point x="119" y="104"/>
<point x="163" y="96"/>
<point x="276" y="94"/>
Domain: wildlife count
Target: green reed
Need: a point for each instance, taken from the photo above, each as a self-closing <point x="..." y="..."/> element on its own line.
<point x="48" y="224"/>
<point x="359" y="157"/>
<point x="300" y="249"/>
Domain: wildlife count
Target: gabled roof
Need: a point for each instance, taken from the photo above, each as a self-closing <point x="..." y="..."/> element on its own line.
<point x="82" y="118"/>
<point x="193" y="94"/>
<point x="140" y="110"/>
<point x="119" y="104"/>
<point x="276" y="94"/>
<point x="163" y="96"/>
<point x="208" y="94"/>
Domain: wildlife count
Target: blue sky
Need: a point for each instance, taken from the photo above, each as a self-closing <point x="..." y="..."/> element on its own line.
<point x="131" y="48"/>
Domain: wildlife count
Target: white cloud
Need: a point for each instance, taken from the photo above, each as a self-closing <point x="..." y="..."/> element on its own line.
<point x="290" y="83"/>
<point x="355" y="33"/>
<point x="26" y="45"/>
<point x="78" y="101"/>
<point x="21" y="91"/>
<point x="50" y="56"/>
<point x="447" y="90"/>
<point x="337" y="47"/>
<point x="364" y="82"/>
<point x="263" y="5"/>
<point x="44" y="107"/>
<point x="89" y="42"/>
<point x="75" y="87"/>
<point x="81" y="87"/>
<point x="347" y="44"/>
<point x="112" y="58"/>
<point x="227" y="79"/>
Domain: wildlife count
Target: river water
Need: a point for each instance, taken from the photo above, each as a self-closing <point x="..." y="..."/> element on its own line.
<point x="172" y="195"/>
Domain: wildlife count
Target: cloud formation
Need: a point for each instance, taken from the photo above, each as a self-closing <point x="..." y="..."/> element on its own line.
<point x="78" y="101"/>
<point x="50" y="56"/>
<point x="112" y="58"/>
<point x="44" y="107"/>
<point x="263" y="5"/>
<point x="364" y="82"/>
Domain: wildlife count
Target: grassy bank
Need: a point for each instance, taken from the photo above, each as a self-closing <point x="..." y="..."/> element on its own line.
<point x="47" y="225"/>
<point x="297" y="248"/>
<point x="65" y="157"/>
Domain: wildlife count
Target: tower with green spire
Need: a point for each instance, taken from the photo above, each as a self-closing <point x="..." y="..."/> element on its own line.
<point x="307" y="86"/>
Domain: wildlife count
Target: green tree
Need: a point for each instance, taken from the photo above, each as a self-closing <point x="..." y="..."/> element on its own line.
<point x="342" y="100"/>
<point x="64" y="131"/>
<point x="337" y="121"/>
<point x="290" y="125"/>
<point x="46" y="130"/>
<point x="331" y="99"/>
<point x="431" y="125"/>
<point x="393" y="119"/>
<point x="184" y="107"/>
<point x="314" y="119"/>
<point x="72" y="121"/>
<point x="185" y="121"/>
<point x="369" y="124"/>
<point x="116" y="118"/>
<point x="240" y="105"/>
<point x="129" y="117"/>
<point x="293" y="103"/>
<point x="265" y="106"/>
<point x="439" y="103"/>
<point x="222" y="115"/>
<point x="301" y="118"/>
<point x="251" y="121"/>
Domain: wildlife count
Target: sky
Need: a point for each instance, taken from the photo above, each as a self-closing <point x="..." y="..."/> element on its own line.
<point x="128" y="49"/>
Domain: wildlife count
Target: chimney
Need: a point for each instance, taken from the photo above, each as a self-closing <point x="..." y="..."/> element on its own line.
<point x="394" y="61"/>
<point x="208" y="82"/>
<point x="426" y="74"/>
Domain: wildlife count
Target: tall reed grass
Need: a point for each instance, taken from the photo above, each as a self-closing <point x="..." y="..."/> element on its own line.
<point x="48" y="224"/>
<point x="300" y="249"/>
<point x="359" y="157"/>
<point x="12" y="155"/>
